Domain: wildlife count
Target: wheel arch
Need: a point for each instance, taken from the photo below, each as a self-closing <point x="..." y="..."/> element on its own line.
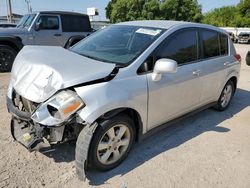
<point x="132" y="113"/>
<point x="235" y="81"/>
<point x="13" y="42"/>
<point x="73" y="40"/>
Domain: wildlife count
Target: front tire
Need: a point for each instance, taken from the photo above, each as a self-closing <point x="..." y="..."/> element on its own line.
<point x="111" y="143"/>
<point x="7" y="57"/>
<point x="226" y="96"/>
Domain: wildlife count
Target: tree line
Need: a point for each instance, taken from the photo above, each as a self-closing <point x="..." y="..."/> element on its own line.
<point x="182" y="10"/>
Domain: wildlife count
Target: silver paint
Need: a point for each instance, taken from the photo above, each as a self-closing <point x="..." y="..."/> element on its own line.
<point x="39" y="72"/>
<point x="192" y="86"/>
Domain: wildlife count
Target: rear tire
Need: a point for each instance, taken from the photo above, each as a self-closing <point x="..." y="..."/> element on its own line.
<point x="7" y="57"/>
<point x="226" y="96"/>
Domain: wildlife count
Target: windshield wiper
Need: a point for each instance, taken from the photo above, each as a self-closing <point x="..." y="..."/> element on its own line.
<point x="98" y="59"/>
<point x="119" y="65"/>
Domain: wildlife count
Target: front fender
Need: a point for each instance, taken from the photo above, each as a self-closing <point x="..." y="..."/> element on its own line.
<point x="117" y="93"/>
<point x="12" y="40"/>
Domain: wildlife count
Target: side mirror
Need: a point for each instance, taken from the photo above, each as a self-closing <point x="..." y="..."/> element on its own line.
<point x="38" y="26"/>
<point x="248" y="58"/>
<point x="163" y="66"/>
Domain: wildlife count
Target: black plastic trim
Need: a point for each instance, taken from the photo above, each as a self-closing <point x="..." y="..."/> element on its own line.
<point x="16" y="112"/>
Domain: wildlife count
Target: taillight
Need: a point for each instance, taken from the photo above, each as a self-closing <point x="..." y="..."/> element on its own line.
<point x="238" y="57"/>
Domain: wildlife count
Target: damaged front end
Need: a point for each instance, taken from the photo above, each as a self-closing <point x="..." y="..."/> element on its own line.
<point x="55" y="120"/>
<point x="23" y="129"/>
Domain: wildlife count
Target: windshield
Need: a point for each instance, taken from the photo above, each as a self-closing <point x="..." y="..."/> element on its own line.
<point x="117" y="44"/>
<point x="26" y="20"/>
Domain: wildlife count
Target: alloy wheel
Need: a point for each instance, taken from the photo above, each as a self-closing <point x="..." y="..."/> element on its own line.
<point x="113" y="144"/>
<point x="227" y="94"/>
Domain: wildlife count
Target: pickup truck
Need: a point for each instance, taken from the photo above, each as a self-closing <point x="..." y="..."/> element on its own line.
<point x="48" y="28"/>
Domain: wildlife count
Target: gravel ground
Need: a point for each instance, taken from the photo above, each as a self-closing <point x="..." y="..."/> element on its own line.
<point x="209" y="149"/>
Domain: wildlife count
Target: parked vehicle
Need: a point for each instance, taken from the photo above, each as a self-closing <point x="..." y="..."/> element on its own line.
<point x="248" y="58"/>
<point x="119" y="84"/>
<point x="7" y="25"/>
<point x="244" y="38"/>
<point x="42" y="28"/>
<point x="96" y="25"/>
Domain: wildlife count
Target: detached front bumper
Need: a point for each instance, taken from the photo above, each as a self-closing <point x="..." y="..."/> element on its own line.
<point x="23" y="129"/>
<point x="28" y="132"/>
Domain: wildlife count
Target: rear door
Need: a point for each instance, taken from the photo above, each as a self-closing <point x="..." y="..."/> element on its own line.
<point x="215" y="62"/>
<point x="178" y="93"/>
<point x="50" y="32"/>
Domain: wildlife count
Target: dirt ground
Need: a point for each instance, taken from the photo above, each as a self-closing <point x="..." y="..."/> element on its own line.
<point x="209" y="149"/>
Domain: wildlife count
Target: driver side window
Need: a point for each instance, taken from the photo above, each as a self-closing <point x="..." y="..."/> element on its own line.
<point x="49" y="22"/>
<point x="182" y="47"/>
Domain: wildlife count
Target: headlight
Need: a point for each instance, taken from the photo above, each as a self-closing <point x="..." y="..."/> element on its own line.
<point x="58" y="109"/>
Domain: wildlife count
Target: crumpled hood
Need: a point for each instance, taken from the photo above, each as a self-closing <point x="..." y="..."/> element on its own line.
<point x="12" y="31"/>
<point x="38" y="71"/>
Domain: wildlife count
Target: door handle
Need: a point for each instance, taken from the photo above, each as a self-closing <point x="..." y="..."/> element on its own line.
<point x="57" y="35"/>
<point x="227" y="64"/>
<point x="196" y="72"/>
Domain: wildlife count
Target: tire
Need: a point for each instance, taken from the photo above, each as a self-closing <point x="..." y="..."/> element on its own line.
<point x="118" y="124"/>
<point x="7" y="57"/>
<point x="226" y="96"/>
<point x="248" y="58"/>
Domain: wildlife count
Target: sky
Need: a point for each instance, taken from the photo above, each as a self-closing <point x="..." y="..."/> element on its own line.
<point x="19" y="6"/>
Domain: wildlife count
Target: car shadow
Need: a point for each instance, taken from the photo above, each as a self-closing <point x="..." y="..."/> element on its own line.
<point x="169" y="138"/>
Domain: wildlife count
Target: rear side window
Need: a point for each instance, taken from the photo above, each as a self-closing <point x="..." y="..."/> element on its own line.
<point x="223" y="44"/>
<point x="181" y="47"/>
<point x="210" y="40"/>
<point x="74" y="23"/>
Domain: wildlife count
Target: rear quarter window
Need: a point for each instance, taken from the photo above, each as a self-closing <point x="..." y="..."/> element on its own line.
<point x="223" y="44"/>
<point x="211" y="45"/>
<point x="75" y="23"/>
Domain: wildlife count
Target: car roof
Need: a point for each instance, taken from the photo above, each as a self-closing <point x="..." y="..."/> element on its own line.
<point x="166" y="24"/>
<point x="61" y="12"/>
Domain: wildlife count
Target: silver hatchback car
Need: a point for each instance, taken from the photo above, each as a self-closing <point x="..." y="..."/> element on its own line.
<point x="118" y="84"/>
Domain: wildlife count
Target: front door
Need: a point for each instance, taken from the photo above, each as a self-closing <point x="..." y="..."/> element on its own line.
<point x="178" y="93"/>
<point x="50" y="32"/>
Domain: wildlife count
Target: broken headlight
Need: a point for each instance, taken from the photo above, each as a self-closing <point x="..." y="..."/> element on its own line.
<point x="58" y="109"/>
